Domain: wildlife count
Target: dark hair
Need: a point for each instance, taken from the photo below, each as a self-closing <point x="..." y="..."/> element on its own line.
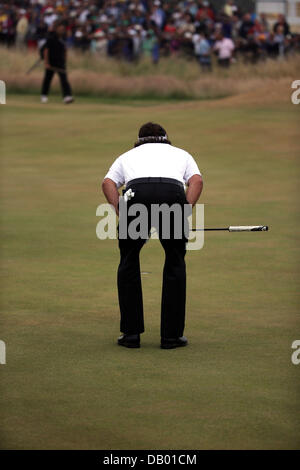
<point x="151" y="133"/>
<point x="58" y="23"/>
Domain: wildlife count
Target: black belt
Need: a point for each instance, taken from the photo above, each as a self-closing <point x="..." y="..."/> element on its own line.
<point x="151" y="179"/>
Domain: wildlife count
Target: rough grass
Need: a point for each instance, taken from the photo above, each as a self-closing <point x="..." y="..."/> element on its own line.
<point x="66" y="384"/>
<point x="171" y="78"/>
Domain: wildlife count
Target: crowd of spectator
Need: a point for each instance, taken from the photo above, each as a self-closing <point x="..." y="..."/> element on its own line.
<point x="130" y="29"/>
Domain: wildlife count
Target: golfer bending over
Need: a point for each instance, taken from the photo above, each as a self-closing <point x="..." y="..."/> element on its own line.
<point x="155" y="172"/>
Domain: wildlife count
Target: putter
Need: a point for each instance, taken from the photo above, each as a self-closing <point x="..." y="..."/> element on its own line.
<point x="231" y="228"/>
<point x="39" y="61"/>
<point x="235" y="228"/>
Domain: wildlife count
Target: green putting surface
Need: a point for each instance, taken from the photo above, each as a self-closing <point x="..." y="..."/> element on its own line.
<point x="66" y="383"/>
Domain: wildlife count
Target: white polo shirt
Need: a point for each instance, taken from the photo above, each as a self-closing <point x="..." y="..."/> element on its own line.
<point x="153" y="160"/>
<point x="225" y="48"/>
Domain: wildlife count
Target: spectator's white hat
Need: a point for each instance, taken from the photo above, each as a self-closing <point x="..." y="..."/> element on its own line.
<point x="103" y="19"/>
<point x="99" y="33"/>
<point x="176" y="15"/>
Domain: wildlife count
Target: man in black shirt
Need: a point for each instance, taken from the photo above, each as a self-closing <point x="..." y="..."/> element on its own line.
<point x="246" y="26"/>
<point x="283" y="24"/>
<point x="54" y="54"/>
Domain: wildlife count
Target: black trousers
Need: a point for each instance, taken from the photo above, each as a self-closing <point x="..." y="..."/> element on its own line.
<point x="224" y="63"/>
<point x="65" y="85"/>
<point x="174" y="272"/>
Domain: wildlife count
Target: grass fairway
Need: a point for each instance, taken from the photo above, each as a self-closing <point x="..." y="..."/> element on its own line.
<point x="66" y="383"/>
